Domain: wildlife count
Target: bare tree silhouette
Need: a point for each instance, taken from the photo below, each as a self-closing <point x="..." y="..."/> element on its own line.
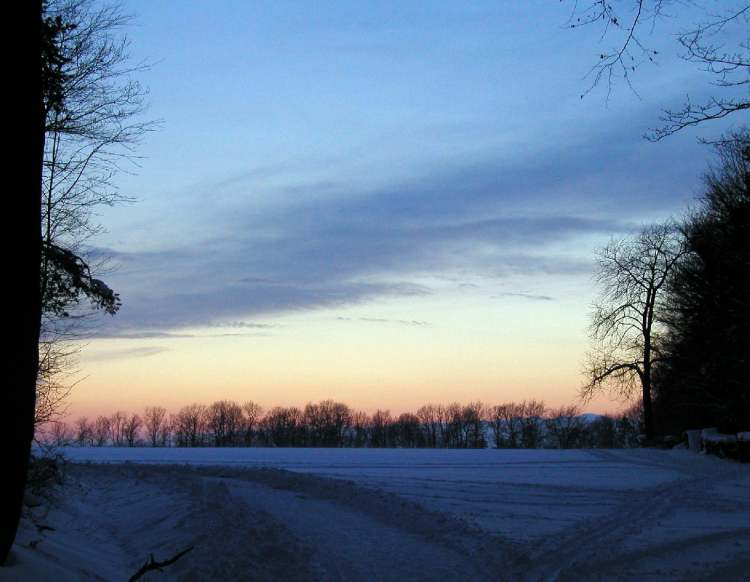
<point x="625" y="323"/>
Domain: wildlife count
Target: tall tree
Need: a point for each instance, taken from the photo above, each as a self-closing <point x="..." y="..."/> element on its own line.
<point x="76" y="109"/>
<point x="154" y="419"/>
<point x="626" y="323"/>
<point x="27" y="105"/>
<point x="708" y="307"/>
<point x="253" y="412"/>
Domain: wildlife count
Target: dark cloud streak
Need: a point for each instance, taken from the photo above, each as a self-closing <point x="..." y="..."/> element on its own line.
<point x="494" y="218"/>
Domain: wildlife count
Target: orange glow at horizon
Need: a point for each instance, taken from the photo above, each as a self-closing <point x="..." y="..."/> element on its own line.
<point x="513" y="353"/>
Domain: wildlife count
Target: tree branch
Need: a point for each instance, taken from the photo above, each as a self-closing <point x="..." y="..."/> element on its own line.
<point x="152" y="564"/>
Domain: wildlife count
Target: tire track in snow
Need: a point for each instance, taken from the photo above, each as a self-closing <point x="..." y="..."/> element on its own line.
<point x="365" y="534"/>
<point x="599" y="547"/>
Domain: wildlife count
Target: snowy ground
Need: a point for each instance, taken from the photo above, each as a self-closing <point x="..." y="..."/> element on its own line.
<point x="348" y="514"/>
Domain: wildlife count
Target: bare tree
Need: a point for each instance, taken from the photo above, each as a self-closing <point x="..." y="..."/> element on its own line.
<point x="473" y="425"/>
<point x="93" y="126"/>
<point x="166" y="439"/>
<point x="428" y="418"/>
<point x="190" y="425"/>
<point x="224" y="422"/>
<point x="117" y="423"/>
<point x="252" y="416"/>
<point x="406" y="430"/>
<point x="154" y="419"/>
<point x="131" y="428"/>
<point x="443" y="421"/>
<point x="626" y="323"/>
<point x="381" y="428"/>
<point x="361" y="425"/>
<point x="496" y="425"/>
<point x="55" y="380"/>
<point x="454" y="432"/>
<point x="84" y="435"/>
<point x="326" y="422"/>
<point x="341" y="416"/>
<point x="602" y="433"/>
<point x="92" y="123"/>
<point x="58" y="434"/>
<point x="283" y="426"/>
<point x="506" y="424"/>
<point x="564" y="426"/>
<point x="708" y="43"/>
<point x="101" y="431"/>
<point x="531" y="418"/>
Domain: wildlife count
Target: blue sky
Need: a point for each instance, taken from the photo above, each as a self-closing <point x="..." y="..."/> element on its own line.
<point x="324" y="169"/>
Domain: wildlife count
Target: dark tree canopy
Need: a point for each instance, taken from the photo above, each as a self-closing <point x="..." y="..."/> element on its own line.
<point x="708" y="310"/>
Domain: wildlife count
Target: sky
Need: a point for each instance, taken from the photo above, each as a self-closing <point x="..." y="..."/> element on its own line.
<point x="385" y="204"/>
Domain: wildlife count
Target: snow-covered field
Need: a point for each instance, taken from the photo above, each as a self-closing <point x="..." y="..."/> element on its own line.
<point x="393" y="514"/>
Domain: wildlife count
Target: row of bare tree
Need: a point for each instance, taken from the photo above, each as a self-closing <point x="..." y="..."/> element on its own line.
<point x="528" y="424"/>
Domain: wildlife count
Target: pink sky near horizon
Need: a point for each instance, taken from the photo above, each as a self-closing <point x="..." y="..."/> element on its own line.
<point x="464" y="356"/>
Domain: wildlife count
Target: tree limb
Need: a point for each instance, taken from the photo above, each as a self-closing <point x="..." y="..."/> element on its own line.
<point x="152" y="564"/>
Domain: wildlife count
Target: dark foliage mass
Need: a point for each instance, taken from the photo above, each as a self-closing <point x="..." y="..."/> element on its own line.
<point x="706" y="378"/>
<point x="328" y="423"/>
<point x="679" y="334"/>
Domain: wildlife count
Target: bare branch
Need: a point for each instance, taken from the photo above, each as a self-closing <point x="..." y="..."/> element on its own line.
<point x="625" y="323"/>
<point x="151" y="564"/>
<point x="703" y="44"/>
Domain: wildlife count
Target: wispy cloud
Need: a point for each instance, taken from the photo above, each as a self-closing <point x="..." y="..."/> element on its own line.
<point x="243" y="325"/>
<point x="111" y="332"/>
<point x="530" y="296"/>
<point x="408" y="322"/>
<point x="237" y="334"/>
<point x="126" y="353"/>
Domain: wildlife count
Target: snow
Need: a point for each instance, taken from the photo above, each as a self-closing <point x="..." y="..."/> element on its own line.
<point x="720" y="438"/>
<point x="569" y="468"/>
<point x="390" y="514"/>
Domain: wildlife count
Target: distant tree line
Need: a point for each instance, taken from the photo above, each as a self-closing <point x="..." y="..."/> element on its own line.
<point x="226" y="423"/>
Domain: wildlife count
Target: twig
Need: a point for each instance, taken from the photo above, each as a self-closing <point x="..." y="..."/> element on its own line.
<point x="152" y="564"/>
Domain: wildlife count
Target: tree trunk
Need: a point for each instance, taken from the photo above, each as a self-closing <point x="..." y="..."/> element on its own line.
<point x="648" y="415"/>
<point x="24" y="255"/>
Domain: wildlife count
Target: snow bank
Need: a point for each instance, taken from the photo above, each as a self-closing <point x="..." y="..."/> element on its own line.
<point x="342" y="514"/>
<point x="107" y="521"/>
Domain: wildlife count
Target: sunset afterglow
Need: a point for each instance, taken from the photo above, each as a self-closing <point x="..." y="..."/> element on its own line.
<point x="358" y="205"/>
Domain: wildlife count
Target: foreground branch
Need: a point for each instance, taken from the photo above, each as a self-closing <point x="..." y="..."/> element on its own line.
<point x="152" y="564"/>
